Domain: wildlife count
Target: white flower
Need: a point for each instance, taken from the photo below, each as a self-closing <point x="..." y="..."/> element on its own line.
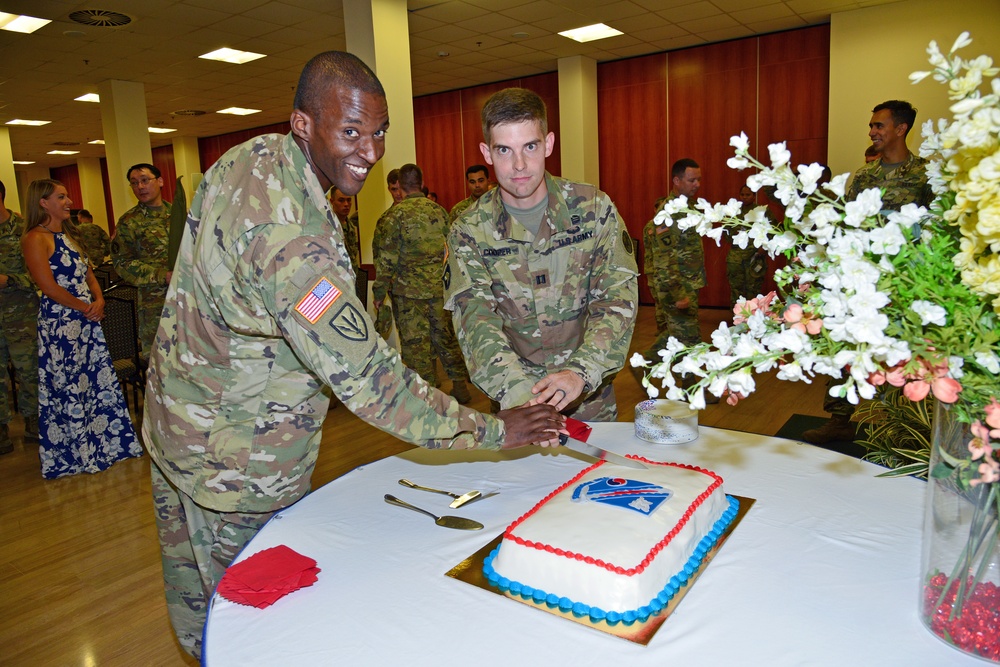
<point x="838" y="185"/>
<point x="868" y="204"/>
<point x="737" y="163"/>
<point x="989" y="361"/>
<point x="740" y="143"/>
<point x="809" y="175"/>
<point x="961" y="42"/>
<point x="930" y="313"/>
<point x="638" y="361"/>
<point x="779" y="154"/>
<point x="887" y="240"/>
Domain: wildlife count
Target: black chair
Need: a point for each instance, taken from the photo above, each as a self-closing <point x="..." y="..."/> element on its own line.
<point x="361" y="287"/>
<point x="121" y="334"/>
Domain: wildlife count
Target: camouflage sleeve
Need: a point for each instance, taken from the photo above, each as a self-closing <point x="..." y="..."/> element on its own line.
<point x="334" y="337"/>
<point x="386" y="254"/>
<point x="103" y="244"/>
<point x="611" y="311"/>
<point x="127" y="256"/>
<point x="493" y="364"/>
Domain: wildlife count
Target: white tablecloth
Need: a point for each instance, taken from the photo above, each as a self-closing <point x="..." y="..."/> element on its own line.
<point x="822" y="571"/>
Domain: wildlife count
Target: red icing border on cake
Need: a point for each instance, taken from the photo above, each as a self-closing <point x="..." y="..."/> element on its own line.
<point x="617" y="569"/>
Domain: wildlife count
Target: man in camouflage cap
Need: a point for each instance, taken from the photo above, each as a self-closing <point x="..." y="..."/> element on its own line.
<point x="96" y="241"/>
<point x="260" y="323"/>
<point x="902" y="177"/>
<point x="18" y="328"/>
<point x="411" y="260"/>
<point x="140" y="248"/>
<point x="477" y="178"/>
<point x="541" y="274"/>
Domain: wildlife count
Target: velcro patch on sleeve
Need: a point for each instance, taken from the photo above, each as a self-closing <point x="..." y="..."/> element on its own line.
<point x="318" y="300"/>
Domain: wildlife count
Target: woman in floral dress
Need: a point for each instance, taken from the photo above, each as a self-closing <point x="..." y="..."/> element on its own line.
<point x="84" y="424"/>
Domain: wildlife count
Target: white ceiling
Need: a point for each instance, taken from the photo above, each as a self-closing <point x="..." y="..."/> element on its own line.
<point x="43" y="72"/>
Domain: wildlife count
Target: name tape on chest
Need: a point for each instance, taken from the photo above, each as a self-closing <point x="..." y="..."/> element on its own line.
<point x="318" y="300"/>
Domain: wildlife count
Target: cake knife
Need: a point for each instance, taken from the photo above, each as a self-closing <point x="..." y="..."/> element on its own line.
<point x="599" y="453"/>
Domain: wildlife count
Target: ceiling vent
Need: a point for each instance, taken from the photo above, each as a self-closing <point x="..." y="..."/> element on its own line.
<point x="100" y="18"/>
<point x="188" y="112"/>
<point x="65" y="143"/>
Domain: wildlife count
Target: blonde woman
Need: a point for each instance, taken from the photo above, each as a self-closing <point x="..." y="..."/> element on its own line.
<point x="84" y="424"/>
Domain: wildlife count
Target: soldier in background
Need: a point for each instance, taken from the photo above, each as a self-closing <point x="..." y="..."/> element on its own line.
<point x="260" y="324"/>
<point x="903" y="178"/>
<point x="541" y="274"/>
<point x="18" y="328"/>
<point x="411" y="258"/>
<point x="745" y="266"/>
<point x="385" y="311"/>
<point x="140" y="248"/>
<point x="341" y="205"/>
<point x="477" y="179"/>
<point x="674" y="264"/>
<point x="96" y="240"/>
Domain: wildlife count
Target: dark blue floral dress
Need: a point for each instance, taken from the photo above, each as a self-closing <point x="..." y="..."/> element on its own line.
<point x="84" y="425"/>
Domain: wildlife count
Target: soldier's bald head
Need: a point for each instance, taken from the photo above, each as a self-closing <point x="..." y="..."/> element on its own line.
<point x="330" y="70"/>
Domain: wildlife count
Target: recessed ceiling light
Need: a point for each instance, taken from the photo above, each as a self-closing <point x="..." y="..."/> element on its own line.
<point x="520" y="35"/>
<point x="62" y="152"/>
<point x="589" y="33"/>
<point x="161" y="130"/>
<point x="89" y="97"/>
<point x="24" y="162"/>
<point x="97" y="142"/>
<point x="234" y="56"/>
<point x="20" y="23"/>
<point x="238" y="111"/>
<point x="35" y="123"/>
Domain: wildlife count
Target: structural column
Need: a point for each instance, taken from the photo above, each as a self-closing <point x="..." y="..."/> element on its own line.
<point x="378" y="33"/>
<point x="187" y="163"/>
<point x="578" y="120"/>
<point x="7" y="174"/>
<point x="92" y="189"/>
<point x="126" y="136"/>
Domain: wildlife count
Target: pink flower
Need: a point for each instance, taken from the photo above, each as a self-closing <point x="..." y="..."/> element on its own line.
<point x="979" y="446"/>
<point x="813" y="327"/>
<point x="946" y="389"/>
<point x="734" y="398"/>
<point x="916" y="390"/>
<point x="993" y="413"/>
<point x="989" y="472"/>
<point x="793" y="313"/>
<point x="896" y="377"/>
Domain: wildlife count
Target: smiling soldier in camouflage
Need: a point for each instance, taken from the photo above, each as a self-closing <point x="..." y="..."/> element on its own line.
<point x="260" y="323"/>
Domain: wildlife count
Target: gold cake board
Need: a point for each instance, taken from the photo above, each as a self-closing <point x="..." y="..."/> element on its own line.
<point x="470" y="571"/>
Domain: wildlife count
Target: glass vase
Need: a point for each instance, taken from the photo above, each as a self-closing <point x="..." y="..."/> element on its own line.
<point x="960" y="586"/>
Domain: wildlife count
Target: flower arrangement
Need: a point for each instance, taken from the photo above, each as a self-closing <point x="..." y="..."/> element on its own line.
<point x="908" y="298"/>
<point x="877" y="299"/>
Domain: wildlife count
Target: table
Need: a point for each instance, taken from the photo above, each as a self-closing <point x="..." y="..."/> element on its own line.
<point x="824" y="569"/>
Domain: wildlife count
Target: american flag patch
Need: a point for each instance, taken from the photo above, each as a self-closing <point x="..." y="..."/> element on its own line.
<point x="318" y="300"/>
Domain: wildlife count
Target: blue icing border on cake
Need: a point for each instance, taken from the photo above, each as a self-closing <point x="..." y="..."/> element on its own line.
<point x="628" y="617"/>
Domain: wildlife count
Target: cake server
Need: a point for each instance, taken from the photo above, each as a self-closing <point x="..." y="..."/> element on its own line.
<point x="600" y="453"/>
<point x="459" y="522"/>
<point x="455" y="504"/>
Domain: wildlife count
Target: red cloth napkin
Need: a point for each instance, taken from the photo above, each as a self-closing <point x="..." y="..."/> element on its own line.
<point x="577" y="429"/>
<point x="267" y="576"/>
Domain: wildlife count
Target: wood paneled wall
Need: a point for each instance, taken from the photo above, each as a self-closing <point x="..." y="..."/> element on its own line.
<point x="449" y="130"/>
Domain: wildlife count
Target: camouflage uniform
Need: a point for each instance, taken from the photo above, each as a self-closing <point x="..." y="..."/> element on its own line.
<point x="96" y="243"/>
<point x="906" y="184"/>
<point x="18" y="323"/>
<point x="352" y="239"/>
<point x="742" y="281"/>
<point x="259" y="323"/>
<point x="526" y="305"/>
<point x="387" y="312"/>
<point x="411" y="261"/>
<point x="139" y="252"/>
<point x="674" y="263"/>
<point x="461" y="207"/>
